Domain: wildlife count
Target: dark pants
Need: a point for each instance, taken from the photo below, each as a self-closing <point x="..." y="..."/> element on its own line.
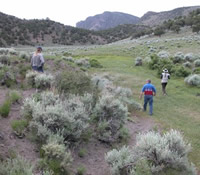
<point x="148" y="99"/>
<point x="164" y="88"/>
<point x="38" y="69"/>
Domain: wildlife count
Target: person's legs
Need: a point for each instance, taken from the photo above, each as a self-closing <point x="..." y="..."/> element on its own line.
<point x="34" y="68"/>
<point x="145" y="102"/>
<point x="164" y="88"/>
<point x="40" y="69"/>
<point x="151" y="105"/>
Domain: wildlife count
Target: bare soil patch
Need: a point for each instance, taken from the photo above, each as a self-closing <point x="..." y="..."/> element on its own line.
<point x="10" y="144"/>
<point x="94" y="161"/>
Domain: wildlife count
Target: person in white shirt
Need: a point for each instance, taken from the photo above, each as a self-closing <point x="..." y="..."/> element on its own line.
<point x="165" y="76"/>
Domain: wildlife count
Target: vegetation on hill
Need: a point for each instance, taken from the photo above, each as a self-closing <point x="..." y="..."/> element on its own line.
<point x="15" y="31"/>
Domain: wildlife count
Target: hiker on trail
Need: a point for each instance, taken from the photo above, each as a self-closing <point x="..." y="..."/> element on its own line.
<point x="37" y="60"/>
<point x="164" y="79"/>
<point x="149" y="91"/>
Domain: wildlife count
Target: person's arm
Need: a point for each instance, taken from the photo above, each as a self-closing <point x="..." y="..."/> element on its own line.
<point x="41" y="60"/>
<point x="168" y="76"/>
<point x="154" y="91"/>
<point x="141" y="93"/>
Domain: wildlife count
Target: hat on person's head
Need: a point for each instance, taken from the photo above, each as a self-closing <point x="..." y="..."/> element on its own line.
<point x="165" y="70"/>
<point x="39" y="48"/>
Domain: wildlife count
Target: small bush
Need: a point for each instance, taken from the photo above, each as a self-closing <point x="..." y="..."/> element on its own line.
<point x="25" y="56"/>
<point x="81" y="170"/>
<point x="70" y="59"/>
<point x="57" y="157"/>
<point x="82" y="152"/>
<point x="16" y="166"/>
<point x="5" y="108"/>
<point x="178" y="57"/>
<point x="156" y="152"/>
<point x="187" y="64"/>
<point x="197" y="63"/>
<point x="52" y="114"/>
<point x="193" y="80"/>
<point x="19" y="126"/>
<point x="83" y="62"/>
<point x="7" y="77"/>
<point x="30" y="77"/>
<point x="163" y="54"/>
<point x="73" y="82"/>
<point x="138" y="61"/>
<point x="189" y="57"/>
<point x="14" y="96"/>
<point x="180" y="71"/>
<point x="95" y="63"/>
<point x="111" y="115"/>
<point x="44" y="81"/>
<point x="4" y="59"/>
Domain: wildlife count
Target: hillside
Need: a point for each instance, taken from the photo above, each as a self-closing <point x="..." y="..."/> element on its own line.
<point x="107" y="20"/>
<point x="18" y="32"/>
<point x="15" y="31"/>
<point x="157" y="18"/>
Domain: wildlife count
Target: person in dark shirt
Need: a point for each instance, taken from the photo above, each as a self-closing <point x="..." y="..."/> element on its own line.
<point x="149" y="91"/>
<point x="37" y="60"/>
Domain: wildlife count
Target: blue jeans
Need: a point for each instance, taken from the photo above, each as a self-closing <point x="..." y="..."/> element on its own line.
<point x="39" y="69"/>
<point x="148" y="99"/>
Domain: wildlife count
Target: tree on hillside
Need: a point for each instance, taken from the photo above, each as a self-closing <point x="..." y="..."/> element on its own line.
<point x="176" y="28"/>
<point x="159" y="31"/>
<point x="196" y="28"/>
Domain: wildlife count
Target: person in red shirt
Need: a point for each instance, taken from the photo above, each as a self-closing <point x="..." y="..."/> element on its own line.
<point x="149" y="91"/>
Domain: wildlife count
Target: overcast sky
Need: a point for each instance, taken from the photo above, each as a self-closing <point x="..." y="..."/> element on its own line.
<point x="69" y="12"/>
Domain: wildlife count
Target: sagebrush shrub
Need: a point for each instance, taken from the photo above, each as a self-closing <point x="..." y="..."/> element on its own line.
<point x="178" y="57"/>
<point x="16" y="166"/>
<point x="57" y="154"/>
<point x="25" y="56"/>
<point x="189" y="57"/>
<point x="44" y="81"/>
<point x="138" y="61"/>
<point x="49" y="113"/>
<point x="7" y="76"/>
<point x="69" y="58"/>
<point x="160" y="152"/>
<point x="197" y="63"/>
<point x="193" y="80"/>
<point x="118" y="159"/>
<point x="163" y="54"/>
<point x="112" y="113"/>
<point x="83" y="62"/>
<point x="4" y="59"/>
<point x="187" y="64"/>
<point x="30" y="77"/>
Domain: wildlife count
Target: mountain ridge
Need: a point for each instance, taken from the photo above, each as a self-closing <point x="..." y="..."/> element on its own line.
<point x="107" y="20"/>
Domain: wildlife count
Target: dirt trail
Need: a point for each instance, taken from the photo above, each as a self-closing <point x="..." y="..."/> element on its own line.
<point x="9" y="142"/>
<point x="94" y="161"/>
